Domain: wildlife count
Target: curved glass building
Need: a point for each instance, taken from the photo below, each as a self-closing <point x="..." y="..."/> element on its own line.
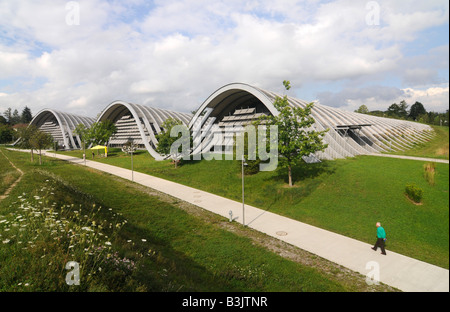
<point x="230" y="107"/>
<point x="60" y="126"/>
<point x="349" y="134"/>
<point x="138" y="123"/>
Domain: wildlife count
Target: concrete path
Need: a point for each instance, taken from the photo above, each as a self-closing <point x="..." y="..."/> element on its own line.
<point x="444" y="161"/>
<point x="396" y="270"/>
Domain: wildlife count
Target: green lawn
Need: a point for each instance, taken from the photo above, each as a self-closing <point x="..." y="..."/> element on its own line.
<point x="8" y="174"/>
<point x="437" y="147"/>
<point x="43" y="225"/>
<point x="347" y="196"/>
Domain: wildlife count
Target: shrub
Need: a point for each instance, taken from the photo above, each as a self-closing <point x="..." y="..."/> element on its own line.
<point x="414" y="192"/>
<point x="429" y="172"/>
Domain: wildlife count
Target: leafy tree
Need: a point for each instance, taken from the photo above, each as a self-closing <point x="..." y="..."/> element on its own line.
<point x="362" y="109"/>
<point x="84" y="133"/>
<point x="398" y="110"/>
<point x="166" y="142"/>
<point x="8" y="115"/>
<point x="378" y="113"/>
<point x="15" y="119"/>
<point x="296" y="138"/>
<point x="40" y="140"/>
<point x="403" y="109"/>
<point x="6" y="134"/>
<point x="3" y="120"/>
<point x="25" y="136"/>
<point x="416" y="110"/>
<point x="26" y="115"/>
<point x="101" y="132"/>
<point x="393" y="110"/>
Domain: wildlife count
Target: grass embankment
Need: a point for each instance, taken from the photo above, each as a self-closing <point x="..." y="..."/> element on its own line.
<point x="347" y="196"/>
<point x="127" y="239"/>
<point x="8" y="174"/>
<point x="437" y="147"/>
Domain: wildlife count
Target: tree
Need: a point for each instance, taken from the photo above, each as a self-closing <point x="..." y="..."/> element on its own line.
<point x="25" y="135"/>
<point x="6" y="134"/>
<point x="166" y="142"/>
<point x="101" y="132"/>
<point x="393" y="110"/>
<point x="84" y="133"/>
<point x="362" y="109"/>
<point x="26" y="115"/>
<point x="403" y="109"/>
<point x="40" y="140"/>
<point x="398" y="110"/>
<point x="416" y="110"/>
<point x="15" y="118"/>
<point x="8" y="115"/>
<point x="296" y="138"/>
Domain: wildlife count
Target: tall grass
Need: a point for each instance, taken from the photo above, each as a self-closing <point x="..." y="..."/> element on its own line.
<point x="8" y="174"/>
<point x="429" y="172"/>
<point x="43" y="235"/>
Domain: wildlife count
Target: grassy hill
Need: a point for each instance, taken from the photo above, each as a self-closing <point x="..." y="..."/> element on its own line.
<point x="129" y="238"/>
<point x="149" y="241"/>
<point x="438" y="147"/>
<point x="347" y="196"/>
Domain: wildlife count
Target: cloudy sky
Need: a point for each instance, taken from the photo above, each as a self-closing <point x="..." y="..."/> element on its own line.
<point x="79" y="56"/>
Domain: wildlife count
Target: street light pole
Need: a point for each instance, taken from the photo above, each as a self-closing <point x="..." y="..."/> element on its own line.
<point x="132" y="173"/>
<point x="243" y="205"/>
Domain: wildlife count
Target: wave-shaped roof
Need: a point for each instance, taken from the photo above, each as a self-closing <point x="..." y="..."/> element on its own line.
<point x="139" y="122"/>
<point x="61" y="126"/>
<point x="350" y="133"/>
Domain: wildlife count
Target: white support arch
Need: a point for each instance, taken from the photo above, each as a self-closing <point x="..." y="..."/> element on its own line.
<point x="140" y="123"/>
<point x="60" y="126"/>
<point x="226" y="105"/>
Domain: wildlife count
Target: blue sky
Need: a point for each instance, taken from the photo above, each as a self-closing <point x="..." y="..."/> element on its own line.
<point x="174" y="54"/>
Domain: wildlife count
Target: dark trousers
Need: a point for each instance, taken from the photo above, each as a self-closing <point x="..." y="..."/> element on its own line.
<point x="380" y="243"/>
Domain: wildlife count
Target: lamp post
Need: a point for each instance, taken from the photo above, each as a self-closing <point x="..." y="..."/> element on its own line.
<point x="132" y="172"/>
<point x="84" y="152"/>
<point x="129" y="148"/>
<point x="243" y="204"/>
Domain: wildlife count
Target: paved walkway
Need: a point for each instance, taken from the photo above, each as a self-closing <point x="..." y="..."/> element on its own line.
<point x="444" y="161"/>
<point x="396" y="270"/>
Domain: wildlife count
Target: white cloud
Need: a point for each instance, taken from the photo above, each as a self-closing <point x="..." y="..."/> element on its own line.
<point x="174" y="54"/>
<point x="435" y="98"/>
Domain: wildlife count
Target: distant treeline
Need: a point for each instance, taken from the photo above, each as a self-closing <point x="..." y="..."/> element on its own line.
<point x="12" y="118"/>
<point x="416" y="112"/>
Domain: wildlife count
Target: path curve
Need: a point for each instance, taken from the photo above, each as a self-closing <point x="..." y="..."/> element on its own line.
<point x="15" y="182"/>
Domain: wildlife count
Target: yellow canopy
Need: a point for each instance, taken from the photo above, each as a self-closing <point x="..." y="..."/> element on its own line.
<point x="98" y="147"/>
